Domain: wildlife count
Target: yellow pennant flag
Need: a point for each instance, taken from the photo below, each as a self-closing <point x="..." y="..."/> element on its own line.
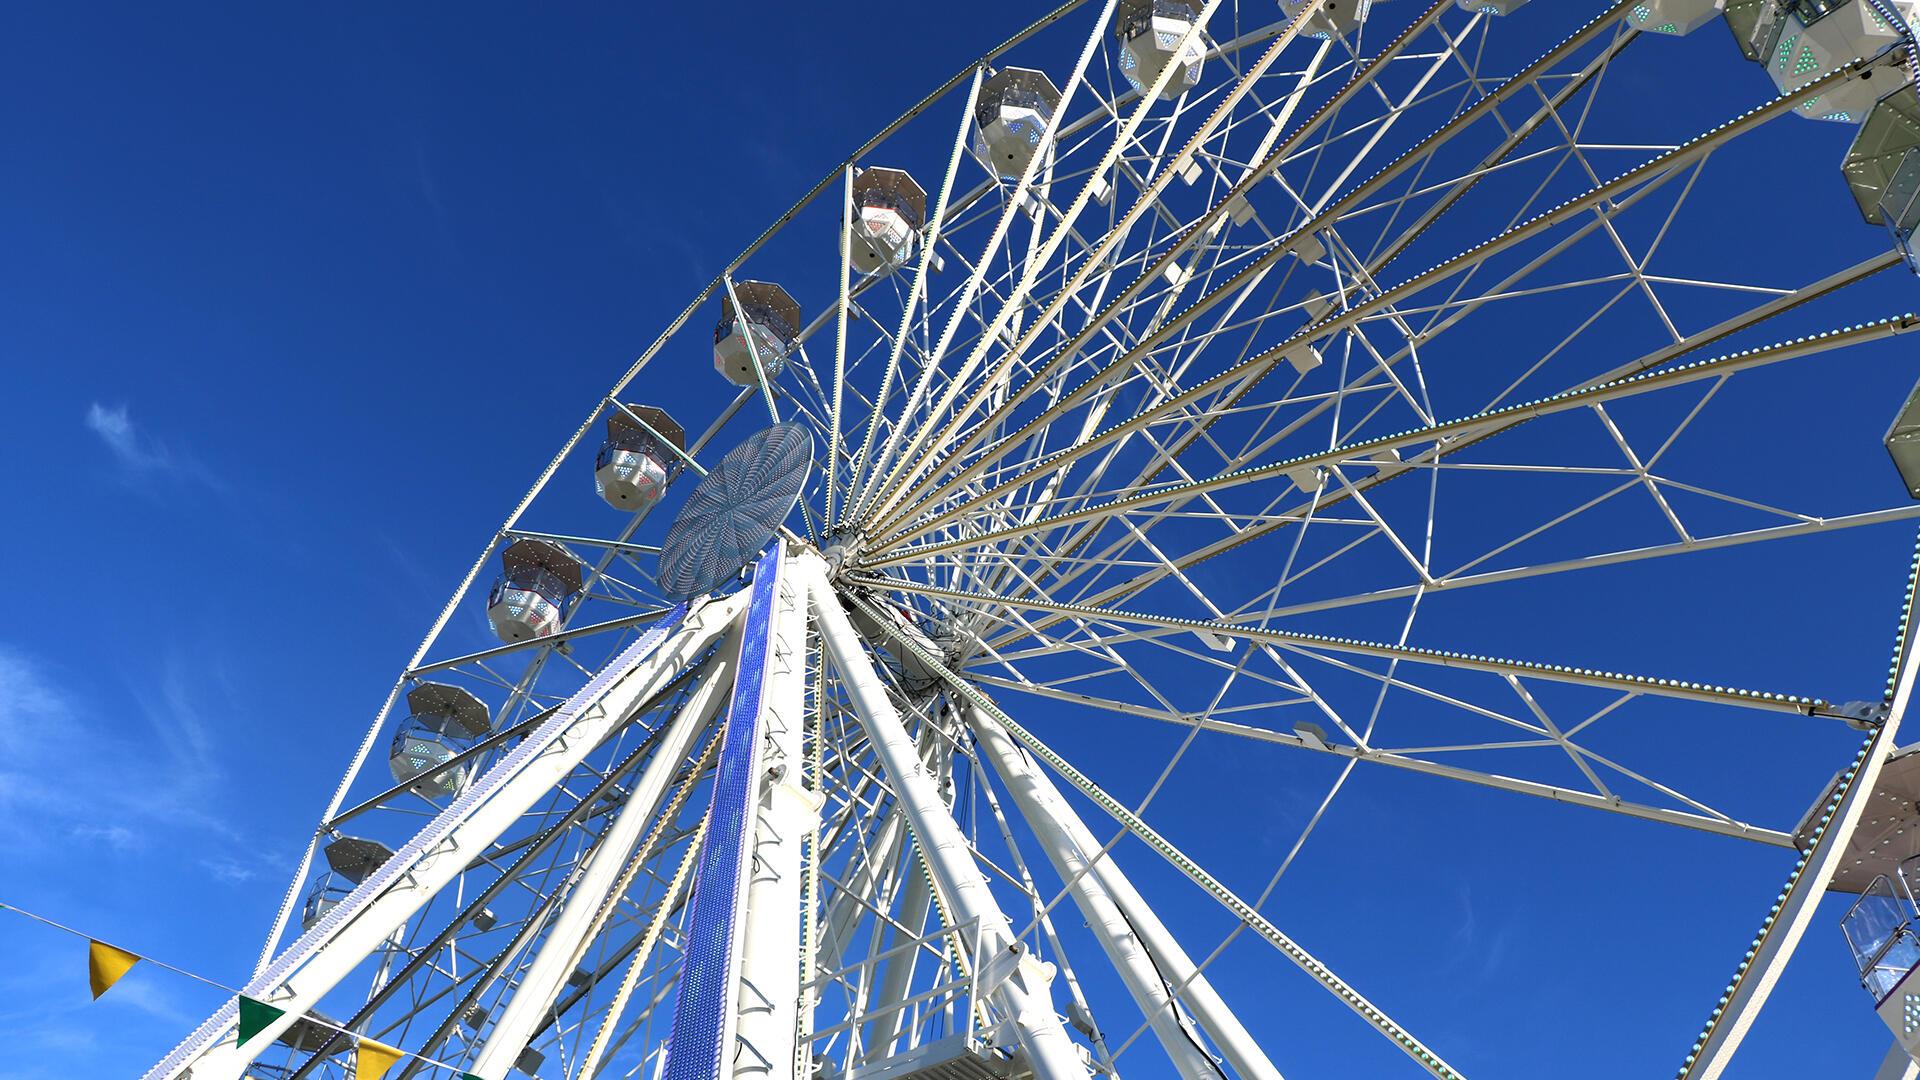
<point x="373" y="1059"/>
<point x="105" y="965"/>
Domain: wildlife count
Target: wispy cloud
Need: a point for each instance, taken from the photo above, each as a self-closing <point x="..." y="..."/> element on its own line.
<point x="154" y="999"/>
<point x="143" y="786"/>
<point x="428" y="181"/>
<point x="139" y="453"/>
<point x="134" y="450"/>
<point x="29" y="704"/>
<point x="228" y="869"/>
<point x="54" y="1028"/>
<point x="117" y="837"/>
<point x="1478" y="950"/>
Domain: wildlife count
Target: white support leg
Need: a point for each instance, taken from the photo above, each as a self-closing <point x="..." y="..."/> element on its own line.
<point x="1898" y="1066"/>
<point x="915" y="900"/>
<point x="1023" y="995"/>
<point x="849" y="903"/>
<point x="844" y="913"/>
<point x="770" y="961"/>
<point x="578" y="921"/>
<point x="314" y="964"/>
<point x="1141" y="949"/>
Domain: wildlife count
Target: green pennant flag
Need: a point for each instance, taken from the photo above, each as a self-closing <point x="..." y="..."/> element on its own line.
<point x="255" y="1016"/>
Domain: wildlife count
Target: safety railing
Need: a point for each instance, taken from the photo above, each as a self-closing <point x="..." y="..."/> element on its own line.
<point x="1881" y="932"/>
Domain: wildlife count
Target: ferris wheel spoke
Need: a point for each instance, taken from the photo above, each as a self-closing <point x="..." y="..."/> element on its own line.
<point x="910" y="467"/>
<point x="1435" y="436"/>
<point x="1702" y="819"/>
<point x="454" y="764"/>
<point x="839" y="380"/>
<point x="1694" y="545"/>
<point x="1415" y="1049"/>
<point x="1041" y="410"/>
<point x="1650" y="685"/>
<point x="1037" y="161"/>
<point x="1095" y="646"/>
<point x="628" y="622"/>
<point x="1727" y="327"/>
<point x="927" y="493"/>
<point x="1256" y="365"/>
<point x="1211" y="718"/>
<point x="910" y="309"/>
<point x="1573" y="85"/>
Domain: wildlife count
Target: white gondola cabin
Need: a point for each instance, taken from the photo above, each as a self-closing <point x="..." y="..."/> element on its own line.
<point x="1882" y="168"/>
<point x="1150" y="33"/>
<point x="1798" y="41"/>
<point x="1329" y="18"/>
<point x="444" y="721"/>
<point x="888" y="211"/>
<point x="639" y="458"/>
<point x="538" y="585"/>
<point x="1673" y="16"/>
<point x="349" y="860"/>
<point x="770" y="316"/>
<point x="1010" y="116"/>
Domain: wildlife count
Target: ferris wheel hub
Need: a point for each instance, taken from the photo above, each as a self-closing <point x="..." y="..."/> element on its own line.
<point x="838" y="549"/>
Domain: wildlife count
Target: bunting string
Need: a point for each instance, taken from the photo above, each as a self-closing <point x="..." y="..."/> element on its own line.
<point x="108" y="963"/>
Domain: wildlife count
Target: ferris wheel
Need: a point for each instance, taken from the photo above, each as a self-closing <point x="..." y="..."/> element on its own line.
<point x="1188" y="415"/>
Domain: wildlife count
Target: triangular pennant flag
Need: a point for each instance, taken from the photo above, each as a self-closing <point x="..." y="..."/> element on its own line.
<point x="255" y="1016"/>
<point x="373" y="1059"/>
<point x="105" y="965"/>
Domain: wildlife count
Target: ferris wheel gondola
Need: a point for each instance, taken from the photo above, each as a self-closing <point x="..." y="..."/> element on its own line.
<point x="1268" y="400"/>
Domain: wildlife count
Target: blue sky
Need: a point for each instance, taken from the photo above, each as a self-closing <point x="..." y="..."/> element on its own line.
<point x="292" y="309"/>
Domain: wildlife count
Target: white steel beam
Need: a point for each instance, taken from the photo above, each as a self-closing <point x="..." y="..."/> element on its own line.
<point x="1793" y="910"/>
<point x="1562" y="673"/>
<point x="573" y="929"/>
<point x="354" y="929"/>
<point x="843" y="913"/>
<point x="949" y="478"/>
<point x="1023" y="995"/>
<point x="929" y="242"/>
<point x="1123" y="921"/>
<point x="1042" y="153"/>
<point x="770" y="960"/>
<point x="916" y="899"/>
<point x="1245" y="912"/>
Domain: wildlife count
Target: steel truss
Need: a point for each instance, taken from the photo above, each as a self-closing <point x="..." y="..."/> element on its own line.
<point x="1169" y="426"/>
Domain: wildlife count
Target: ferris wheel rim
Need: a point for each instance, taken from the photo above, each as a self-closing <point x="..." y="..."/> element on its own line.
<point x="865" y="574"/>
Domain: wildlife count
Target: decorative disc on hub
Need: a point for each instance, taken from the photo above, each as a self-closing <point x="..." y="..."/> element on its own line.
<point x="736" y="509"/>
